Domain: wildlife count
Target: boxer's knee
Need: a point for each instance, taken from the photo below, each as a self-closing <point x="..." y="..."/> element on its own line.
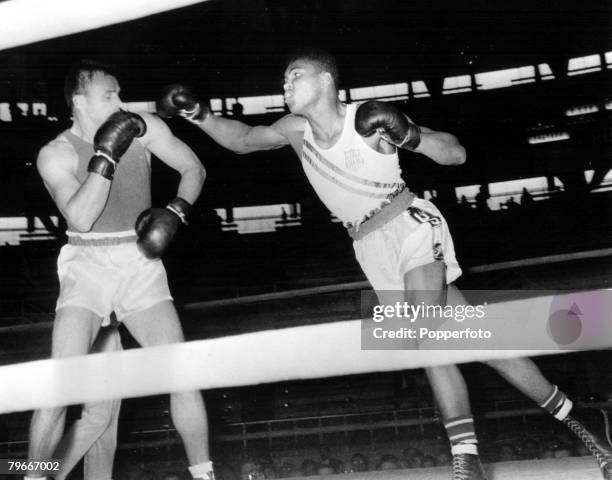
<point x="49" y="415"/>
<point x="98" y="414"/>
<point x="425" y="278"/>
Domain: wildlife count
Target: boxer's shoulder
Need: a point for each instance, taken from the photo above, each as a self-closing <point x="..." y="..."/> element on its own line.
<point x="60" y="145"/>
<point x="58" y="151"/>
<point x="291" y="127"/>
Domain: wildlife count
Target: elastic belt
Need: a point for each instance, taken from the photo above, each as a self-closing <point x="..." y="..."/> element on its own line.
<point x="395" y="205"/>
<point x="100" y="242"/>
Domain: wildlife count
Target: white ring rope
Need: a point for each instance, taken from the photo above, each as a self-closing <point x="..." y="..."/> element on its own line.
<point x="28" y="21"/>
<point x="338" y="287"/>
<point x="304" y="352"/>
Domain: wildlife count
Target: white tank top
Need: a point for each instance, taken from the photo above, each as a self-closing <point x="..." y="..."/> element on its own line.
<point x="350" y="178"/>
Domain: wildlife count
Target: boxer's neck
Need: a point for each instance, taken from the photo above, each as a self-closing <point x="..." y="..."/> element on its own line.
<point x="327" y="122"/>
<point x="84" y="128"/>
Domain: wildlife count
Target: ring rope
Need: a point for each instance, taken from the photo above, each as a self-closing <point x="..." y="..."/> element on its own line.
<point x="28" y="21"/>
<point x="304" y="352"/>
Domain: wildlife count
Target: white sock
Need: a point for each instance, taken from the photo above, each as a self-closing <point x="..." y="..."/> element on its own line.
<point x="564" y="410"/>
<point x="469" y="448"/>
<point x="202" y="470"/>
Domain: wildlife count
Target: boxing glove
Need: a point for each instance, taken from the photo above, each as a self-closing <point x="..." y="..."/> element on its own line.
<point x="389" y="121"/>
<point x="180" y="100"/>
<point x="156" y="227"/>
<point x="112" y="140"/>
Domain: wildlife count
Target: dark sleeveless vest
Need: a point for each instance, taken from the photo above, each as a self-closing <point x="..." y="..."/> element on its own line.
<point x="130" y="191"/>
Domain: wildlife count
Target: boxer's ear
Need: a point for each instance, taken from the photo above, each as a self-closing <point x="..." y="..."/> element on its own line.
<point x="78" y="99"/>
<point x="327" y="78"/>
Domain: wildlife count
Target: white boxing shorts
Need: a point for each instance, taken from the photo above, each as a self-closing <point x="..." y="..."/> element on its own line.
<point x="416" y="237"/>
<point x="105" y="272"/>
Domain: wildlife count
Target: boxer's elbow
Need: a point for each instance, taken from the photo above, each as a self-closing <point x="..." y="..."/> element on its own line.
<point x="241" y="149"/>
<point x="242" y="146"/>
<point x="79" y="220"/>
<point x="200" y="174"/>
<point x="443" y="148"/>
<point x="459" y="155"/>
<point x="455" y="152"/>
<point x="233" y="143"/>
<point x="81" y="226"/>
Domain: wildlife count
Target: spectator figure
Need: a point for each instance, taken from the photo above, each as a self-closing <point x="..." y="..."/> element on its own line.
<point x="250" y="470"/>
<point x="237" y="110"/>
<point x="339" y="466"/>
<point x="359" y="463"/>
<point x="482" y="198"/>
<point x="389" y="462"/>
<point x="309" y="467"/>
<point x="464" y="204"/>
<point x="17" y="114"/>
<point x="287" y="470"/>
<point x="327" y="460"/>
<point x="511" y="204"/>
<point x="411" y="458"/>
<point x="325" y="470"/>
<point x="526" y="198"/>
<point x="598" y="176"/>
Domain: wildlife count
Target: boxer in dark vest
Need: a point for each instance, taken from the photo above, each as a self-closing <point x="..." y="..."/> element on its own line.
<point x="99" y="175"/>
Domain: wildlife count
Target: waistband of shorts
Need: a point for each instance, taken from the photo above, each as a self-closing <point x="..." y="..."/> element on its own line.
<point x="395" y="204"/>
<point x="101" y="239"/>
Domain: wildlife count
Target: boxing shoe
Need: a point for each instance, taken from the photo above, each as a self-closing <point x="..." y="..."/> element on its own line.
<point x="592" y="427"/>
<point x="467" y="467"/>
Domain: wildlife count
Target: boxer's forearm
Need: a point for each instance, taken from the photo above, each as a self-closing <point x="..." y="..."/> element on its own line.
<point x="192" y="181"/>
<point x="441" y="147"/>
<point x="86" y="205"/>
<point x="241" y="138"/>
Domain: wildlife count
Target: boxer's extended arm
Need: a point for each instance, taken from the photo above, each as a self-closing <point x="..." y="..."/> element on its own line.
<point x="183" y="101"/>
<point x="241" y="138"/>
<point x="80" y="204"/>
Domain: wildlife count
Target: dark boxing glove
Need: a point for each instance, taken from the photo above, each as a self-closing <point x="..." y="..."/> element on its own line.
<point x="182" y="101"/>
<point x="112" y="140"/>
<point x="389" y="121"/>
<point x="156" y="227"/>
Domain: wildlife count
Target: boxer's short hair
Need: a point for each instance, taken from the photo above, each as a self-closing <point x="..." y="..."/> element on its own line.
<point x="323" y="60"/>
<point x="80" y="74"/>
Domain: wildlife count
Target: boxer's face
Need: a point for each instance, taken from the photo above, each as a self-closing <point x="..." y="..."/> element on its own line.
<point x="302" y="85"/>
<point x="101" y="97"/>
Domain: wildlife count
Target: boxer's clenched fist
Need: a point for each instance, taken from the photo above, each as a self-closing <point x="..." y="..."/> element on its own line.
<point x="180" y="100"/>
